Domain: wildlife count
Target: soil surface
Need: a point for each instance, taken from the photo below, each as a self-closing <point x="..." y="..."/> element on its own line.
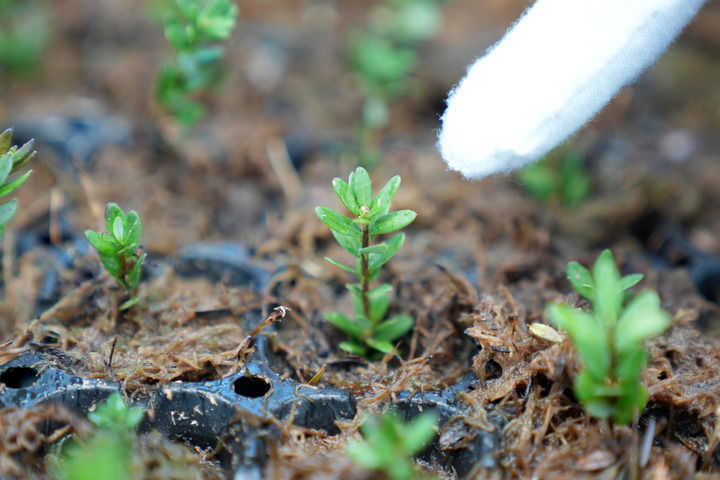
<point x="228" y="219"/>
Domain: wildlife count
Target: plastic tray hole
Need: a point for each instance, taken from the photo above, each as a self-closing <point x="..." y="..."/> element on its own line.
<point x="19" y="377"/>
<point x="252" y="387"/>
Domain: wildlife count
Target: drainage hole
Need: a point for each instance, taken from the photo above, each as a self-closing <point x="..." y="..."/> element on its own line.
<point x="252" y="387"/>
<point x="19" y="377"/>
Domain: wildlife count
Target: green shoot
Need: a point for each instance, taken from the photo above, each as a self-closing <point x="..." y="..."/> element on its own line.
<point x="382" y="58"/>
<point x="107" y="454"/>
<point x="25" y="31"/>
<point x="12" y="159"/>
<point x="389" y="444"/>
<point x="558" y="178"/>
<point x="372" y="217"/>
<point x="610" y="339"/>
<point x="193" y="28"/>
<point x="118" y="248"/>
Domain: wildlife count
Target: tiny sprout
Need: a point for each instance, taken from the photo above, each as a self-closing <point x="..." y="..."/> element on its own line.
<point x="118" y="248"/>
<point x="12" y="159"/>
<point x="389" y="444"/>
<point x="610" y="339"/>
<point x="373" y="217"/>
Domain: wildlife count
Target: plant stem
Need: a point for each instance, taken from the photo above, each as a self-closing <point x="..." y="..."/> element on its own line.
<point x="365" y="272"/>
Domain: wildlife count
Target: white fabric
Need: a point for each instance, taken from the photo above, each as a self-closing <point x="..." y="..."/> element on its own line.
<point x="552" y="72"/>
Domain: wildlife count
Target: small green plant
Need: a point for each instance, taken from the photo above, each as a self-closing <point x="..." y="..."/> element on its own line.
<point x="610" y="339"/>
<point x="560" y="177"/>
<point x="118" y="248"/>
<point x="24" y="33"/>
<point x="107" y="453"/>
<point x="372" y="217"/>
<point x="12" y="159"/>
<point x="389" y="444"/>
<point x="193" y="28"/>
<point x="382" y="58"/>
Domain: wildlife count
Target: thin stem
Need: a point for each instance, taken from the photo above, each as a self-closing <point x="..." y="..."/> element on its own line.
<point x="365" y="272"/>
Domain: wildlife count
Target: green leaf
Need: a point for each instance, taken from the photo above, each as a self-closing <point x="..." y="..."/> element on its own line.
<point x="379" y="303"/>
<point x="380" y="345"/>
<point x="353" y="348"/>
<point x="381" y="202"/>
<point x="129" y="303"/>
<point x="351" y="244"/>
<point x="629" y="281"/>
<point x="640" y="320"/>
<point x="101" y="242"/>
<point x="361" y="187"/>
<point x="7" y="210"/>
<point x="6" y="140"/>
<point x="393" y="328"/>
<point x="631" y="364"/>
<point x="589" y="338"/>
<point x="5" y="166"/>
<point x="112" y="210"/>
<point x="375" y="261"/>
<point x="346" y="196"/>
<point x="18" y="163"/>
<point x="133" y="276"/>
<point x="365" y="455"/>
<point x="338" y="264"/>
<point x="420" y="432"/>
<point x="338" y="222"/>
<point x="393" y="221"/>
<point x="608" y="289"/>
<point x="118" y="230"/>
<point x="10" y="187"/>
<point x="113" y="265"/>
<point x="349" y="327"/>
<point x="581" y="280"/>
<point x="634" y="398"/>
<point x="379" y="248"/>
<point x="133" y="230"/>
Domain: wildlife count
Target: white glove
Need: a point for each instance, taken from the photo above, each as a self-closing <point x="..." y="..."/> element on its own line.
<point x="551" y="73"/>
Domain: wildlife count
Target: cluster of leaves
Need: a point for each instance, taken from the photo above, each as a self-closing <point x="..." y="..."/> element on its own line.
<point x="12" y="159"/>
<point x="25" y="31"/>
<point x="373" y="217"/>
<point x="610" y="338"/>
<point x="383" y="56"/>
<point x="107" y="453"/>
<point x="559" y="178"/>
<point x="118" y="248"/>
<point x="193" y="28"/>
<point x="389" y="444"/>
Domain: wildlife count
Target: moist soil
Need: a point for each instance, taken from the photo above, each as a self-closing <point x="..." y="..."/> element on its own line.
<point x="228" y="223"/>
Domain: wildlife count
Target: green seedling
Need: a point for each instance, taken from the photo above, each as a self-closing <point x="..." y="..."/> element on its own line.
<point x="610" y="339"/>
<point x="25" y="31"/>
<point x="560" y="178"/>
<point x="194" y="29"/>
<point x="12" y="159"/>
<point x="118" y="248"/>
<point x="368" y="329"/>
<point x="383" y="56"/>
<point x="107" y="453"/>
<point x="389" y="444"/>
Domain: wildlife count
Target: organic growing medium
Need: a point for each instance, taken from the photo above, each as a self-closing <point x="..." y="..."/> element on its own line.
<point x="368" y="330"/>
<point x="12" y="159"/>
<point x="107" y="453"/>
<point x="382" y="58"/>
<point x="389" y="444"/>
<point x="610" y="338"/>
<point x="193" y="28"/>
<point x="118" y="248"/>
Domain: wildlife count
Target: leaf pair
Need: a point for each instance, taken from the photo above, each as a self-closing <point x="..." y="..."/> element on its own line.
<point x="12" y="159"/>
<point x="610" y="339"/>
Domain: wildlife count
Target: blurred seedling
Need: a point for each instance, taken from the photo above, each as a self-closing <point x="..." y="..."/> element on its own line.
<point x="12" y="159"/>
<point x="119" y="249"/>
<point x="25" y="31"/>
<point x="559" y="178"/>
<point x="194" y="29"/>
<point x="382" y="58"/>
<point x="389" y="444"/>
<point x="609" y="340"/>
<point x="108" y="452"/>
<point x="369" y="329"/>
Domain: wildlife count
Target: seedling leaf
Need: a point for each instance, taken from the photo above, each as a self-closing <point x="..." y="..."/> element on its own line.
<point x="361" y="186"/>
<point x="392" y="222"/>
<point x="346" y="196"/>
